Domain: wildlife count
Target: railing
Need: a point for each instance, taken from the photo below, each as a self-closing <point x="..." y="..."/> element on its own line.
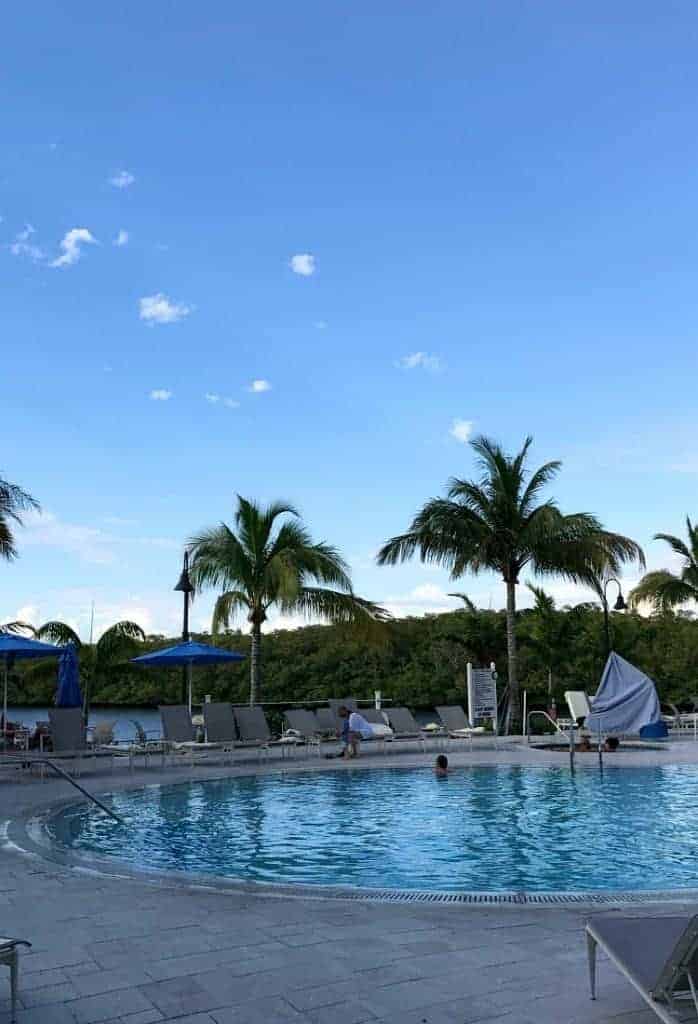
<point x="90" y="796"/>
<point x="543" y="714"/>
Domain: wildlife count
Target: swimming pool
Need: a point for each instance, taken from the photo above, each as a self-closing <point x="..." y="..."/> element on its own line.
<point x="487" y="829"/>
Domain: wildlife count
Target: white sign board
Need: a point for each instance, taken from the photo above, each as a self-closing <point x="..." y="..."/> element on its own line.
<point x="482" y="695"/>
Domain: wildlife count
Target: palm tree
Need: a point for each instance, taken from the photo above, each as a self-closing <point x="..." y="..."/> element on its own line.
<point x="13" y="502"/>
<point x="263" y="563"/>
<point x="664" y="589"/>
<point x="499" y="523"/>
<point x="115" y="646"/>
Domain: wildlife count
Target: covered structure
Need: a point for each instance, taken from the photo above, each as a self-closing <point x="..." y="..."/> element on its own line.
<point x="626" y="700"/>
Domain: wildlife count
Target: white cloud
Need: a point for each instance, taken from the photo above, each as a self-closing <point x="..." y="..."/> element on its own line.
<point x="687" y="464"/>
<point x="160" y="395"/>
<point x="419" y="360"/>
<point x="158" y="309"/>
<point x="71" y="243"/>
<point x="461" y="430"/>
<point x="214" y="398"/>
<point x="90" y="543"/>
<point x="122" y="179"/>
<point x="22" y="246"/>
<point x="302" y="263"/>
<point x="424" y="599"/>
<point x="121" y="239"/>
<point x="258" y="386"/>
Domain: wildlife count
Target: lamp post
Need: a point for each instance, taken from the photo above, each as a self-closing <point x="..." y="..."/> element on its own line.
<point x="619" y="606"/>
<point x="184" y="585"/>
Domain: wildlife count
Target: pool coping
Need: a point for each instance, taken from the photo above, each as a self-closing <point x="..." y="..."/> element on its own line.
<point x="26" y="834"/>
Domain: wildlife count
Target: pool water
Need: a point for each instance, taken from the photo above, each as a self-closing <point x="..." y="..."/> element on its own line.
<point x="494" y="829"/>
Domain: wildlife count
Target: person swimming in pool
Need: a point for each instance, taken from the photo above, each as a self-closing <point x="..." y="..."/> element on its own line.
<point x="441" y="766"/>
<point x="354" y="729"/>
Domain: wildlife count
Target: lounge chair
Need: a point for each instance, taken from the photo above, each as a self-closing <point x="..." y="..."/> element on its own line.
<point x="9" y="955"/>
<point x="219" y="722"/>
<point x="658" y="956"/>
<point x="456" y="724"/>
<point x="304" y="724"/>
<point x="404" y="726"/>
<point x="179" y="735"/>
<point x="68" y="738"/>
<point x="327" y="721"/>
<point x="579" y="705"/>
<point x="254" y="731"/>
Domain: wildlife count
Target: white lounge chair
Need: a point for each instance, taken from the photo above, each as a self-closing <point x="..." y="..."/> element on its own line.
<point x="658" y="956"/>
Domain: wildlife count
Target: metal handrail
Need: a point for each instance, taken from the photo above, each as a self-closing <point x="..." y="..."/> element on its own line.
<point x="545" y="715"/>
<point x="64" y="775"/>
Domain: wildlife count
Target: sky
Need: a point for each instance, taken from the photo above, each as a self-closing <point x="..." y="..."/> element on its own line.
<point x="308" y="251"/>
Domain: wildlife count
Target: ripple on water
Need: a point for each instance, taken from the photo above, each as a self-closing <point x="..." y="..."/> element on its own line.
<point x="486" y="828"/>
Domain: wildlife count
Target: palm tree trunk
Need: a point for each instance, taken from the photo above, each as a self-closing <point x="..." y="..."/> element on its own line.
<point x="513" y="717"/>
<point x="255" y="663"/>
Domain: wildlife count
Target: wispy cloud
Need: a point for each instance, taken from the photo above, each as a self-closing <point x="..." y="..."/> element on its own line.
<point x="90" y="543"/>
<point x="302" y="263"/>
<point x="71" y="245"/>
<point x="214" y="398"/>
<point x="122" y="179"/>
<point x="121" y="239"/>
<point x="686" y="464"/>
<point x="419" y="360"/>
<point x="158" y="309"/>
<point x="22" y="246"/>
<point x="461" y="430"/>
<point x="160" y="395"/>
<point x="258" y="386"/>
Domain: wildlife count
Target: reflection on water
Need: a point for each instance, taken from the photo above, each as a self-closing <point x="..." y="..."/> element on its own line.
<point x="495" y="828"/>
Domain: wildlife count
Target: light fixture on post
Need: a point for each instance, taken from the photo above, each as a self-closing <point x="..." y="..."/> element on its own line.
<point x="185" y="587"/>
<point x="619" y="606"/>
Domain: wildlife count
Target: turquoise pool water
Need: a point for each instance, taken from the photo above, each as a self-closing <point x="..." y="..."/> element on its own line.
<point x="488" y="829"/>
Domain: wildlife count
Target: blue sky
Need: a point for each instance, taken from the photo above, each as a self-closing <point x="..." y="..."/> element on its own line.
<point x="397" y="217"/>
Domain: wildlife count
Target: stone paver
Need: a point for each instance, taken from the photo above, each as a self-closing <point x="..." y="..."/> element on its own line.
<point x="128" y="950"/>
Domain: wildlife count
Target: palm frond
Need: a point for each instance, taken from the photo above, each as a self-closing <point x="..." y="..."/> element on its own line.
<point x="58" y="633"/>
<point x="226" y="607"/>
<point x="676" y="544"/>
<point x="470" y="606"/>
<point x="336" y="606"/>
<point x="118" y="643"/>
<point x="18" y="627"/>
<point x="663" y="590"/>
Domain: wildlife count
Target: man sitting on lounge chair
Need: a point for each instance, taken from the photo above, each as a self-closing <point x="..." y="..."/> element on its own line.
<point x="354" y="729"/>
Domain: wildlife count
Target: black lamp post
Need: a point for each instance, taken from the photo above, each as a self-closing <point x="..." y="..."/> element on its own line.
<point x="619" y="606"/>
<point x="186" y="587"/>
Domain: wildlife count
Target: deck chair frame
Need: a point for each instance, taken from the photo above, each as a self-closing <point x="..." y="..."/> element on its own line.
<point x="664" y="996"/>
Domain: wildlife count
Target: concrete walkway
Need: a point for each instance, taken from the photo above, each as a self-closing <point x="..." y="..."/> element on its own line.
<point x="137" y="951"/>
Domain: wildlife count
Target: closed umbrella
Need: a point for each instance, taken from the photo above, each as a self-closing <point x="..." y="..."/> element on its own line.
<point x="188" y="653"/>
<point x="11" y="647"/>
<point x="68" y="694"/>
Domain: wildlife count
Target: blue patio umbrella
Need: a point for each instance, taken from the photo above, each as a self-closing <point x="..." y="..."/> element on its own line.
<point x="68" y="694"/>
<point x="13" y="646"/>
<point x="188" y="653"/>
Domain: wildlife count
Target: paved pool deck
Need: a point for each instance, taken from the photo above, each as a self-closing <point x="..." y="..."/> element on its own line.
<point x="136" y="950"/>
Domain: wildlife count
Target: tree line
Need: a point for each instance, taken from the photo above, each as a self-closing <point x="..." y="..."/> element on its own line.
<point x="419" y="662"/>
<point x="501" y="522"/>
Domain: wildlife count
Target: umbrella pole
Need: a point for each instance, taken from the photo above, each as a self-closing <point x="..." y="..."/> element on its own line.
<point x="188" y="671"/>
<point x="4" y="703"/>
